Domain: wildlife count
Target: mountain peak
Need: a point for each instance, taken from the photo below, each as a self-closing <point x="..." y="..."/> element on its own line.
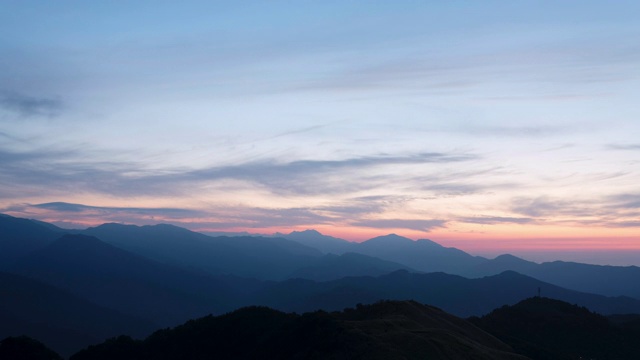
<point x="509" y="259"/>
<point x="390" y="239"/>
<point x="308" y="232"/>
<point x="112" y="225"/>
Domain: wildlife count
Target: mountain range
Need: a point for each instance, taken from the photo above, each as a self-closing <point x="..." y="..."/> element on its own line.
<point x="145" y="277"/>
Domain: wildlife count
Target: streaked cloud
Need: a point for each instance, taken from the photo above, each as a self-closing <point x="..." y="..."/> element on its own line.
<point x="624" y="146"/>
<point x="68" y="168"/>
<point x="411" y="224"/>
<point x="29" y="106"/>
<point x="492" y="220"/>
<point x="543" y="206"/>
<point x="78" y="208"/>
<point x="630" y="201"/>
<point x="613" y="211"/>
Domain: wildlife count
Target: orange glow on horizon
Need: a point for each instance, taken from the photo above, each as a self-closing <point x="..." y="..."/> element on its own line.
<point x="467" y="237"/>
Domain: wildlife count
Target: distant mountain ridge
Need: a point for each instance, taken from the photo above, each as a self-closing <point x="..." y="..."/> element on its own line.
<point x="326" y="244"/>
<point x="129" y="283"/>
<point x="19" y="237"/>
<point x="166" y="274"/>
<point x="333" y="267"/>
<point x="57" y="317"/>
<point x="248" y="256"/>
<point x="279" y="258"/>
<point x="455" y="294"/>
<point x="597" y="279"/>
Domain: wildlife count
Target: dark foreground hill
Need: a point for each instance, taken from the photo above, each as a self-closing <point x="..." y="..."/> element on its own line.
<point x="385" y="330"/>
<point x="544" y="328"/>
<point x="25" y="348"/>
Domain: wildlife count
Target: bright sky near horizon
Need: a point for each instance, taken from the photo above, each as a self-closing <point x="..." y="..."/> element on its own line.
<point x="485" y="125"/>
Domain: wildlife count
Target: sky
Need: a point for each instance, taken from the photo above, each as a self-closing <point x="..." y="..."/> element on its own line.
<point x="491" y="126"/>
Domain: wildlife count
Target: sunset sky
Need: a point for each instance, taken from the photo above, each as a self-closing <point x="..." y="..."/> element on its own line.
<point x="491" y="126"/>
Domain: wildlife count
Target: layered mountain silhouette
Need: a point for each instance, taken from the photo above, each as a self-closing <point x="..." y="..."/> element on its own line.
<point x="266" y="258"/>
<point x="276" y="258"/>
<point x="332" y="267"/>
<point x="427" y="256"/>
<point x="597" y="279"/>
<point x="247" y="256"/>
<point x="131" y="284"/>
<point x="385" y="330"/>
<point x="422" y="255"/>
<point x="58" y="318"/>
<point x="324" y="243"/>
<point x="19" y="237"/>
<point x="124" y="279"/>
<point x="455" y="294"/>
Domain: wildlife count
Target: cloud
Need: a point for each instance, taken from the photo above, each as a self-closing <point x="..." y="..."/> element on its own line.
<point x="65" y="169"/>
<point x="515" y="131"/>
<point x="614" y="211"/>
<point x="363" y="205"/>
<point x="311" y="177"/>
<point x="411" y="224"/>
<point x="248" y="217"/>
<point x="541" y="207"/>
<point x="210" y="218"/>
<point x="206" y="219"/>
<point x="462" y="182"/>
<point x="624" y="146"/>
<point x="491" y="220"/>
<point x="624" y="201"/>
<point x="625" y="224"/>
<point x="30" y="106"/>
<point x="77" y="208"/>
<point x="104" y="213"/>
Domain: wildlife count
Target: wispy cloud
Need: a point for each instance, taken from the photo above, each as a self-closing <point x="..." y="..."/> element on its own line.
<point x="411" y="224"/>
<point x="210" y="218"/>
<point x="363" y="205"/>
<point x="80" y="215"/>
<point x="614" y="211"/>
<point x="541" y="207"/>
<point x="66" y="167"/>
<point x="515" y="130"/>
<point x="492" y="220"/>
<point x="624" y="146"/>
<point x="78" y="208"/>
<point x="626" y="201"/>
<point x="30" y="106"/>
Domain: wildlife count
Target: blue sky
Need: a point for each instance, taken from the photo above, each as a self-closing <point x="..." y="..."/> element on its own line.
<point x="483" y="125"/>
